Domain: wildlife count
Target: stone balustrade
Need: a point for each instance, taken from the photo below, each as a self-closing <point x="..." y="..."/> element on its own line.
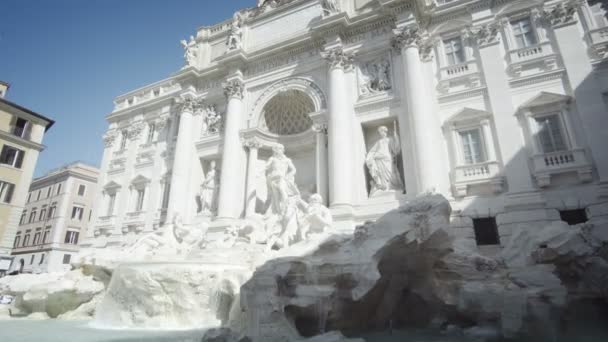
<point x="548" y="164"/>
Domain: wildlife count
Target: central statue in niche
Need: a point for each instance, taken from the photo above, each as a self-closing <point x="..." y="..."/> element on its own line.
<point x="381" y="163"/>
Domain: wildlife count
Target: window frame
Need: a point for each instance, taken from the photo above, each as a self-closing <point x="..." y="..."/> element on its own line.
<point x="482" y="145"/>
<point x="17" y="158"/>
<point x="532" y="31"/>
<point x="7" y="192"/>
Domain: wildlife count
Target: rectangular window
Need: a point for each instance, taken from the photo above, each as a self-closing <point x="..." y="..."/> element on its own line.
<point x="32" y="258"/>
<point x="26" y="240"/>
<point x="151" y="130"/>
<point x="20" y="127"/>
<point x="111" y="202"/>
<point x="6" y="192"/>
<point x="123" y="140"/>
<point x="549" y="134"/>
<point x="71" y="237"/>
<point x="23" y="217"/>
<point x="42" y="214"/>
<point x="29" y="197"/>
<point x="38" y="197"/>
<point x="81" y="189"/>
<point x="58" y="188"/>
<point x="523" y="33"/>
<point x="574" y="216"/>
<point x="36" y="240"/>
<point x="32" y="215"/>
<point x="77" y="213"/>
<point x="16" y="242"/>
<point x="52" y="211"/>
<point x="41" y="259"/>
<point x="48" y="192"/>
<point x="166" y="192"/>
<point x="472" y="146"/>
<point x="139" y="204"/>
<point x="486" y="231"/>
<point x="47" y="233"/>
<point x="66" y="259"/>
<point x="454" y="53"/>
<point x="11" y="156"/>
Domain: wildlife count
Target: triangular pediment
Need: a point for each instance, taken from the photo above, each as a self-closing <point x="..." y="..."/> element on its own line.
<point x="467" y="115"/>
<point x="112" y="185"/>
<point x="140" y="180"/>
<point x="544" y="99"/>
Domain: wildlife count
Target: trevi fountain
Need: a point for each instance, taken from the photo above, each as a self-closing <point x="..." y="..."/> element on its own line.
<point x="354" y="170"/>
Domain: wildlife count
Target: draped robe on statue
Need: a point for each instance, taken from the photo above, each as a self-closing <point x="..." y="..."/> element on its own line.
<point x="381" y="164"/>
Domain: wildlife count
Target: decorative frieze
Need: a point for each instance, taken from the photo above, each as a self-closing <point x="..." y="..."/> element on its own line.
<point x="234" y="88"/>
<point x="337" y="58"/>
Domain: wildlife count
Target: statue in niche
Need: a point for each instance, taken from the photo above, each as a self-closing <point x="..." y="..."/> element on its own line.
<point x="190" y="52"/>
<point x="236" y="32"/>
<point x="381" y="162"/>
<point x="209" y="190"/>
<point x="329" y="7"/>
<point x="375" y="77"/>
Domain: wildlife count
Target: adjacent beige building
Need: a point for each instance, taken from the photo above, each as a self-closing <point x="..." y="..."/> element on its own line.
<point x="55" y="218"/>
<point x="21" y="134"/>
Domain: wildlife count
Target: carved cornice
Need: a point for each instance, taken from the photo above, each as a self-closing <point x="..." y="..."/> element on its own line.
<point x="337" y="58"/>
<point x="563" y="13"/>
<point x="234" y="89"/>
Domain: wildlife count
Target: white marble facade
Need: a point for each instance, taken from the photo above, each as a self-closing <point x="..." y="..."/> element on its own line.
<point x="498" y="105"/>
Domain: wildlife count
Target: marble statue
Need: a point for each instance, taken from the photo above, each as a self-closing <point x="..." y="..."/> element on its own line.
<point x="212" y="121"/>
<point x="236" y="32"/>
<point x="190" y="52"/>
<point x="329" y="7"/>
<point x="375" y="77"/>
<point x="172" y="239"/>
<point x="209" y="190"/>
<point x="280" y="177"/>
<point x="381" y="162"/>
<point x="317" y="217"/>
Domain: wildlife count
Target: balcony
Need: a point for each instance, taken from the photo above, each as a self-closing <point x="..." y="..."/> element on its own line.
<point x="598" y="39"/>
<point x="135" y="219"/>
<point x="477" y="174"/>
<point x="541" y="53"/>
<point x="466" y="73"/>
<point x="550" y="164"/>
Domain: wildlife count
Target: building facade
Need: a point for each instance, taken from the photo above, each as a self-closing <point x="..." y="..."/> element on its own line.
<point x="55" y="218"/>
<point x="21" y="134"/>
<point x="498" y="105"/>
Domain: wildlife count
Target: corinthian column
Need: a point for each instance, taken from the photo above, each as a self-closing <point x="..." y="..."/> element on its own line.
<point x="425" y="128"/>
<point x="253" y="145"/>
<point x="181" y="163"/>
<point x="230" y="200"/>
<point x="340" y="131"/>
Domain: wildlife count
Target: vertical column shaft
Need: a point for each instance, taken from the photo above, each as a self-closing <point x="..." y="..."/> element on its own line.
<point x="251" y="195"/>
<point x="181" y="163"/>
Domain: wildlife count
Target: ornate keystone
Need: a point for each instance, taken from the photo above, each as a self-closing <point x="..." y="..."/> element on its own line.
<point x="234" y="88"/>
<point x="337" y="58"/>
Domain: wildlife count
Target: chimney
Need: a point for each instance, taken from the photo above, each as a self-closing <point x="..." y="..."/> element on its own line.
<point x="3" y="89"/>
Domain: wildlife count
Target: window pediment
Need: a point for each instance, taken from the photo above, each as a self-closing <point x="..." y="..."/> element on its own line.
<point x="111" y="186"/>
<point x="140" y="181"/>
<point x="545" y="101"/>
<point x="467" y="116"/>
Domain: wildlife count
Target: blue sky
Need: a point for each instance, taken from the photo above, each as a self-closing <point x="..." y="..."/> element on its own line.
<point x="68" y="59"/>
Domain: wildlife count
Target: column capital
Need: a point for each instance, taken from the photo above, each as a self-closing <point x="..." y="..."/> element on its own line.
<point x="337" y="58"/>
<point x="109" y="138"/>
<point x="414" y="37"/>
<point x="234" y="89"/>
<point x="184" y="104"/>
<point x="563" y="13"/>
<point x="136" y="129"/>
<point x="161" y="122"/>
<point x="320" y="127"/>
<point x="252" y="143"/>
<point x="486" y="34"/>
